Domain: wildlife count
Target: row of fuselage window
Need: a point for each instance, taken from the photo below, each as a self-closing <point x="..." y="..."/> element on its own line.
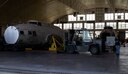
<point x="32" y="33"/>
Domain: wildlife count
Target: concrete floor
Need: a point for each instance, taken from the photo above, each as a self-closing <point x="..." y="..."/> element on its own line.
<point x="38" y="62"/>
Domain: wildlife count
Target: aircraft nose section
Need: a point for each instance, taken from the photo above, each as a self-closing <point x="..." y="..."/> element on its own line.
<point x="11" y="35"/>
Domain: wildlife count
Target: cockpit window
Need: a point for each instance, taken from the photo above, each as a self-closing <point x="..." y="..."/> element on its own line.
<point x="32" y="22"/>
<point x="36" y="23"/>
<point x="39" y="24"/>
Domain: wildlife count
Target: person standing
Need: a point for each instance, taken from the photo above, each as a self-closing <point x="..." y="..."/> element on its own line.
<point x="103" y="36"/>
<point x="117" y="46"/>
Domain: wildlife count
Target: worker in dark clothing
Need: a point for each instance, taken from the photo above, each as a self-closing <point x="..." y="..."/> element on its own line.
<point x="104" y="35"/>
<point x="108" y="31"/>
<point x="117" y="46"/>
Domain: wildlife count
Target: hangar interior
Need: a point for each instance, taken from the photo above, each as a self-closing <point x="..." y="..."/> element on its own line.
<point x="95" y="21"/>
<point x="68" y="14"/>
<point x="57" y="17"/>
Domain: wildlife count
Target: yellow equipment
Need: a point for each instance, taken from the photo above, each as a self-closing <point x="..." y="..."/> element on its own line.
<point x="28" y="49"/>
<point x="54" y="44"/>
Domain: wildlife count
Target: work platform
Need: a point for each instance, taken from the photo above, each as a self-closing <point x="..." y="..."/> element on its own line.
<point x="40" y="62"/>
